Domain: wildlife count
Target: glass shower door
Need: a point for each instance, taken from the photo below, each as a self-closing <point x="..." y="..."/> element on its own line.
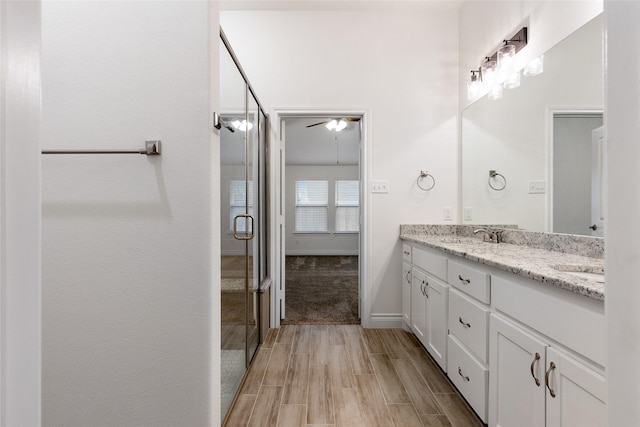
<point x="234" y="191"/>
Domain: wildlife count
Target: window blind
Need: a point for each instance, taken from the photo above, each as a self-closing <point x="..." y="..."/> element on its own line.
<point x="312" y="200"/>
<point x="347" y="206"/>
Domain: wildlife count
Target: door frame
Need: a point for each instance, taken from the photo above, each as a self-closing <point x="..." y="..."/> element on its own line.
<point x="277" y="242"/>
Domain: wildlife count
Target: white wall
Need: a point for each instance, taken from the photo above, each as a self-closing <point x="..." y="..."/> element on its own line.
<point x="399" y="64"/>
<point x="622" y="256"/>
<point x="318" y="244"/>
<point x="20" y="223"/>
<point x="130" y="243"/>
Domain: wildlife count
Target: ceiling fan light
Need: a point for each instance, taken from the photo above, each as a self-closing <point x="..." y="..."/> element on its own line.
<point x="341" y="125"/>
<point x="242" y="125"/>
<point x="331" y="125"/>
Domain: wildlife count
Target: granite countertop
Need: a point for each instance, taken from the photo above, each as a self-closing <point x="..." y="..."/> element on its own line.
<point x="533" y="263"/>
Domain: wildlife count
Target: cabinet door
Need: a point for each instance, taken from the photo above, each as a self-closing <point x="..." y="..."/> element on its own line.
<point x="578" y="393"/>
<point x="516" y="376"/>
<point x="406" y="293"/>
<point x="437" y="309"/>
<point x="419" y="304"/>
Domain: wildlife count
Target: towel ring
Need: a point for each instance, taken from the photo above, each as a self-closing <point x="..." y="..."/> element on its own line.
<point x="425" y="174"/>
<point x="493" y="174"/>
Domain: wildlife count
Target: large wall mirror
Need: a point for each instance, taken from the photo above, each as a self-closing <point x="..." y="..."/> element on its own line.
<point x="544" y="140"/>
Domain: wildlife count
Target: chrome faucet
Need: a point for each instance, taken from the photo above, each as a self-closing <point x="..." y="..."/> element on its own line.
<point x="493" y="235"/>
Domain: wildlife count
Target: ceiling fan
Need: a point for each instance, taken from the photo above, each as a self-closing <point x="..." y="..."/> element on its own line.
<point x="336" y="124"/>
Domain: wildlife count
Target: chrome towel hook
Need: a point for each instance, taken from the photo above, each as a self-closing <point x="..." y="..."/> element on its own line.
<point x="425" y="175"/>
<point x="494" y="174"/>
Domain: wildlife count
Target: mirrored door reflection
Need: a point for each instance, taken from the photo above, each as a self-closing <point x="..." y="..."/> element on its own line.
<point x="233" y="195"/>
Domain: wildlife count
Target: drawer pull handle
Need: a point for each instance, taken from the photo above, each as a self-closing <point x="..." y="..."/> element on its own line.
<point x="552" y="366"/>
<point x="465" y="281"/>
<point x="407" y="252"/>
<point x="462" y="375"/>
<point x="465" y="324"/>
<point x="535" y="359"/>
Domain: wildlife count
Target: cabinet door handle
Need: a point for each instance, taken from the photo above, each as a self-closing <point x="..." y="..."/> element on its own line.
<point x="552" y="366"/>
<point x="465" y="324"/>
<point x="407" y="252"/>
<point x="462" y="375"/>
<point x="422" y="287"/>
<point x="426" y="293"/>
<point x="465" y="281"/>
<point x="408" y="276"/>
<point x="535" y="359"/>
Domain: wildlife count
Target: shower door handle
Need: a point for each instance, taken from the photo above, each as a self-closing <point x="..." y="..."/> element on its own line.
<point x="248" y="220"/>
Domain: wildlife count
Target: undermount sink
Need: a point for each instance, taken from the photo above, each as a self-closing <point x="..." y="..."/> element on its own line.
<point x="591" y="272"/>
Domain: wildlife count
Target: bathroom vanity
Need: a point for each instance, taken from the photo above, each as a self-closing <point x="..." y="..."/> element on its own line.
<point x="517" y="326"/>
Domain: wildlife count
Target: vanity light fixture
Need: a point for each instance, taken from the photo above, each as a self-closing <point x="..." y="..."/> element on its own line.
<point x="474" y="84"/>
<point x="499" y="69"/>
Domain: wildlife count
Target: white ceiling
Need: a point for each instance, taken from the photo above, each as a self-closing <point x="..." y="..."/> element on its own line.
<point x="318" y="145"/>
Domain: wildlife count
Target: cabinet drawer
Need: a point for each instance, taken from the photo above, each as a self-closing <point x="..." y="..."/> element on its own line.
<point x="471" y="281"/>
<point x="469" y="376"/>
<point x="406" y="253"/>
<point x="469" y="321"/>
<point x="435" y="265"/>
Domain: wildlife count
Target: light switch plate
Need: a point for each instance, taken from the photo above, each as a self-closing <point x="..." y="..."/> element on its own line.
<point x="447" y="214"/>
<point x="380" y="186"/>
<point x="468" y="214"/>
<point x="537" y="187"/>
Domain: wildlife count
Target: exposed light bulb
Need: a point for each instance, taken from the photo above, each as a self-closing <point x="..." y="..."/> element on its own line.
<point x="506" y="61"/>
<point x="474" y="86"/>
<point x="489" y="73"/>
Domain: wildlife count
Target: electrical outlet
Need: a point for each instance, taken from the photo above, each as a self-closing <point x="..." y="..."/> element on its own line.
<point x="448" y="214"/>
<point x="537" y="187"/>
<point x="380" y="186"/>
<point x="468" y="214"/>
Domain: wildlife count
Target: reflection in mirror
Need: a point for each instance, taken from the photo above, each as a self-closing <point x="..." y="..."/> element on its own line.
<point x="523" y="137"/>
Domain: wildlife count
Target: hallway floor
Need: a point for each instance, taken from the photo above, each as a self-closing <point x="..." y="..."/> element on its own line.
<point x="344" y="375"/>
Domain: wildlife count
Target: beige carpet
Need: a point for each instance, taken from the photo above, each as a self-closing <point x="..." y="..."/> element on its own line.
<point x="321" y="290"/>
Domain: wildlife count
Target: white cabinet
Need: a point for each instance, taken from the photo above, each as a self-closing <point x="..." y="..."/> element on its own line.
<point x="579" y="393"/>
<point x="535" y="384"/>
<point x="406" y="294"/>
<point x="425" y="302"/>
<point x="419" y="304"/>
<point x="437" y="303"/>
<point x="517" y="361"/>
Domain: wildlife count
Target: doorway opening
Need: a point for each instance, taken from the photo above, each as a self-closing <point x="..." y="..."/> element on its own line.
<point x="577" y="176"/>
<point x="321" y="194"/>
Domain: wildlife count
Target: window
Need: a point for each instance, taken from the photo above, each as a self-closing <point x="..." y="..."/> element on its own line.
<point x="347" y="206"/>
<point x="312" y="200"/>
<point x="238" y="204"/>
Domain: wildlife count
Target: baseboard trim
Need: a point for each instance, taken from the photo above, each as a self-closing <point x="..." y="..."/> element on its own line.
<point x="384" y="320"/>
<point x="316" y="252"/>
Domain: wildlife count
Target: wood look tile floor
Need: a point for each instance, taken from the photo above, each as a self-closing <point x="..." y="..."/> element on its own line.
<point x="344" y="375"/>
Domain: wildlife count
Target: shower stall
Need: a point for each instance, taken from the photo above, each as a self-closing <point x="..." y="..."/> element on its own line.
<point x="242" y="123"/>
